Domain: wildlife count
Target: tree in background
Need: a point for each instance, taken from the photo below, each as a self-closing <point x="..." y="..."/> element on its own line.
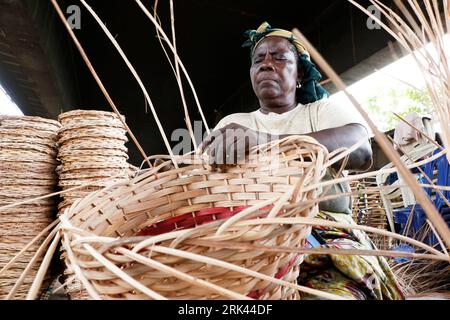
<point x="401" y="100"/>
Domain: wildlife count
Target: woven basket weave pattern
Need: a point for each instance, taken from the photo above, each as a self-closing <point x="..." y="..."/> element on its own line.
<point x="27" y="165"/>
<point x="127" y="208"/>
<point x="92" y="151"/>
<point x="92" y="145"/>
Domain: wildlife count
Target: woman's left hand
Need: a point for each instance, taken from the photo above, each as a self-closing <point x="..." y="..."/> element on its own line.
<point x="230" y="144"/>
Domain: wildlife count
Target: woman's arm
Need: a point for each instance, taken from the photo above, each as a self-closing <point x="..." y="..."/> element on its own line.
<point x="231" y="143"/>
<point x="347" y="136"/>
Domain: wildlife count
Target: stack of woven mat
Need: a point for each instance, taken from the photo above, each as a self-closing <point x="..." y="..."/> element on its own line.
<point x="92" y="152"/>
<point x="27" y="170"/>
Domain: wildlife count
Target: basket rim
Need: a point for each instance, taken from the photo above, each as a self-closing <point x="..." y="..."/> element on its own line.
<point x="92" y="112"/>
<point x="36" y="119"/>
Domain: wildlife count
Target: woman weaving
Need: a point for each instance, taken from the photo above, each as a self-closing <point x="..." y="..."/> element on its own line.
<point x="292" y="102"/>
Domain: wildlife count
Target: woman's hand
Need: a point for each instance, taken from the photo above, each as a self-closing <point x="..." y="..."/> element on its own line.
<point x="231" y="144"/>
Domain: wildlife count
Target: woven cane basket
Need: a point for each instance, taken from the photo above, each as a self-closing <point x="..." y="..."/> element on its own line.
<point x="368" y="209"/>
<point x="148" y="238"/>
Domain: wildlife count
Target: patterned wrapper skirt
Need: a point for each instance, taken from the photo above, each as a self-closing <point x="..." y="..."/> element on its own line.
<point x="351" y="277"/>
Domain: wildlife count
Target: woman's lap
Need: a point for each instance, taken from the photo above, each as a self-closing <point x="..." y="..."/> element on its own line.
<point x="356" y="277"/>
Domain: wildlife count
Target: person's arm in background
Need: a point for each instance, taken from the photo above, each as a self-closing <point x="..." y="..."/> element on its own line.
<point x="233" y="141"/>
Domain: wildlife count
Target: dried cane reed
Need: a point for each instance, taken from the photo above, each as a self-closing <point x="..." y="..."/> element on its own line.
<point x="436" y="253"/>
<point x="423" y="32"/>
<point x="385" y="145"/>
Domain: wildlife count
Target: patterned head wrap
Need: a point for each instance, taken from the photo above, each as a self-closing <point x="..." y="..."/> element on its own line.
<point x="310" y="90"/>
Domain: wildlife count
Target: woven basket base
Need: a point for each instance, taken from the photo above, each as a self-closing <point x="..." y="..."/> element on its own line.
<point x="29" y="121"/>
<point x="106" y="132"/>
<point x="39" y="148"/>
<point x="75" y="116"/>
<point x="15" y="155"/>
<point x="24" y="167"/>
<point x="93" y="143"/>
<point x="79" y="166"/>
<point x="11" y="247"/>
<point x="6" y="183"/>
<point x="90" y="152"/>
<point x="24" y="134"/>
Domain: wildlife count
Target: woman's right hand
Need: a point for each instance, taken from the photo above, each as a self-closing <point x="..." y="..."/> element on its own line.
<point x="230" y="144"/>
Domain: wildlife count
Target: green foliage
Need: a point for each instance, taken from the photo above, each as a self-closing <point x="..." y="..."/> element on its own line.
<point x="401" y="100"/>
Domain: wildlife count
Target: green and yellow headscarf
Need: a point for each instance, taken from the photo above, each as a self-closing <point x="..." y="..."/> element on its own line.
<point x="310" y="90"/>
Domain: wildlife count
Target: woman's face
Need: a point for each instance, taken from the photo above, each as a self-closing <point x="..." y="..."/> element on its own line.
<point x="274" y="72"/>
